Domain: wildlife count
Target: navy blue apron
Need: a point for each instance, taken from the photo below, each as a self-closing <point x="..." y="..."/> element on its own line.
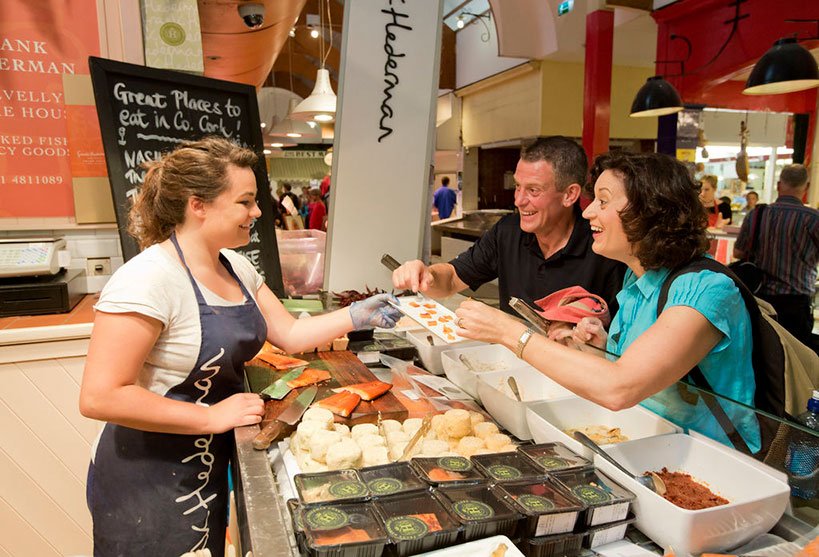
<point x="163" y="494"/>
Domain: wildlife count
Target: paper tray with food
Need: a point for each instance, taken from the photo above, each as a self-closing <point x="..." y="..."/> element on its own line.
<point x="431" y="315"/>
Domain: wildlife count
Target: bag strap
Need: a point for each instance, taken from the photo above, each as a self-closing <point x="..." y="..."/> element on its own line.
<point x="696" y="377"/>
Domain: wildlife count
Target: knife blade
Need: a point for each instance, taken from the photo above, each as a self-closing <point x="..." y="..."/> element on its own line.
<point x="289" y="416"/>
<point x="279" y="389"/>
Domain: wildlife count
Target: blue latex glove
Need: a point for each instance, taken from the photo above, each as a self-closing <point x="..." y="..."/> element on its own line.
<point x="375" y="312"/>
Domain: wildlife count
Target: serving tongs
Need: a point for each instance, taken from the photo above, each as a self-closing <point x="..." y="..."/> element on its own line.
<point x="425" y="425"/>
<point x="392" y="264"/>
<point x="650" y="479"/>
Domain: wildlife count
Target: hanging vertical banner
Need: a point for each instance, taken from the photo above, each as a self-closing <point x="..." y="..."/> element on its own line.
<point x="173" y="40"/>
<point x="384" y="137"/>
<point x="39" y="43"/>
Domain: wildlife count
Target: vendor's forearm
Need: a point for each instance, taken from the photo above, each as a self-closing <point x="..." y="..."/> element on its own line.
<point x="307" y="334"/>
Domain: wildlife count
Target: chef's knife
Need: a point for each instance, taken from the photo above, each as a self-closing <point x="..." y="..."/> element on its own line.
<point x="279" y="389"/>
<point x="289" y="416"/>
<point x="392" y="264"/>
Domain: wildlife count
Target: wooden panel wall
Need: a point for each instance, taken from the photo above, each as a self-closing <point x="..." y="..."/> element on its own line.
<point x="44" y="453"/>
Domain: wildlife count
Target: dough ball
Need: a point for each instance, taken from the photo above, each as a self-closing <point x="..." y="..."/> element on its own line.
<point x="469" y="445"/>
<point x="319" y="443"/>
<point x="342" y="430"/>
<point x="373" y="456"/>
<point x="344" y="454"/>
<point x="437" y="425"/>
<point x="476" y="418"/>
<point x="412" y="425"/>
<point x="508" y="449"/>
<point x="397" y="450"/>
<point x="368" y="440"/>
<point x="449" y="453"/>
<point x="395" y="437"/>
<point x="433" y="447"/>
<point x="482" y="451"/>
<point x="305" y="431"/>
<point x="497" y="440"/>
<point x="391" y="425"/>
<point x="320" y="415"/>
<point x="485" y="429"/>
<point x="313" y="466"/>
<point x="363" y="429"/>
<point x="458" y="423"/>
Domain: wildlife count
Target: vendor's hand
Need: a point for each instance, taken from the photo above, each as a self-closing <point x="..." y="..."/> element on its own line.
<point x="590" y="331"/>
<point x="236" y="410"/>
<point x="412" y="275"/>
<point x="561" y="331"/>
<point x="375" y="312"/>
<point x="481" y="322"/>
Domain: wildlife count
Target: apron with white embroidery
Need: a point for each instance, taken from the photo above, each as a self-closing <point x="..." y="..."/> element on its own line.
<point x="163" y="494"/>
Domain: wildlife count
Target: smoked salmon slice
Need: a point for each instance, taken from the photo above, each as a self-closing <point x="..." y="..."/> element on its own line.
<point x="280" y="361"/>
<point x="342" y="403"/>
<point x="308" y="377"/>
<point x="367" y="391"/>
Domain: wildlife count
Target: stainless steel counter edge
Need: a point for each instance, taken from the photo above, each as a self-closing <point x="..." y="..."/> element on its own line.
<point x="262" y="524"/>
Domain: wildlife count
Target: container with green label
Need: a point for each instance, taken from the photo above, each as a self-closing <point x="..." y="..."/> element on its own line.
<point x="548" y="509"/>
<point x="330" y="487"/>
<point x="552" y="546"/>
<point x="607" y="533"/>
<point x="447" y="470"/>
<point x="416" y="523"/>
<point x="554" y="457"/>
<point x="606" y="501"/>
<point x="480" y="510"/>
<point x="343" y="530"/>
<point x="507" y="467"/>
<point x="387" y="480"/>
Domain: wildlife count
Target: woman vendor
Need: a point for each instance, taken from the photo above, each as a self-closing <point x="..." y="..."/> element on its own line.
<point x="173" y="327"/>
<point x="647" y="214"/>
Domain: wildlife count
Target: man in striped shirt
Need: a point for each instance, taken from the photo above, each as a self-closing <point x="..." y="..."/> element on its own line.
<point x="787" y="251"/>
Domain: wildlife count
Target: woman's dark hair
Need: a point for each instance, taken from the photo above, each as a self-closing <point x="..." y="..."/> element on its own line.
<point x="194" y="169"/>
<point x="664" y="218"/>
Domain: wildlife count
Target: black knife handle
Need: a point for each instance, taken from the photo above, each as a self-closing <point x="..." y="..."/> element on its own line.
<point x="389" y="262"/>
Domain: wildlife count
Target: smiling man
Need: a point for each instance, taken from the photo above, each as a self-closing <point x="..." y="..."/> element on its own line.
<point x="543" y="248"/>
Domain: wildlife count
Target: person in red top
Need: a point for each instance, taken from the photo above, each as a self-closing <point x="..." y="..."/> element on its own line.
<point x="318" y="212"/>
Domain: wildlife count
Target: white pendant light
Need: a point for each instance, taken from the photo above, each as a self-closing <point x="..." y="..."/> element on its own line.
<point x="321" y="104"/>
<point x="294" y="128"/>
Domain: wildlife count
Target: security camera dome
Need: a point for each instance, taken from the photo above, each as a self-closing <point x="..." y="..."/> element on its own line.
<point x="252" y="14"/>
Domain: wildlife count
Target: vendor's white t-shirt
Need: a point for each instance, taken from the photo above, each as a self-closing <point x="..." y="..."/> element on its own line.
<point x="155" y="284"/>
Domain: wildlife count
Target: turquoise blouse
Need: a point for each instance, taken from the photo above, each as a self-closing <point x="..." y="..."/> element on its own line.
<point x="727" y="366"/>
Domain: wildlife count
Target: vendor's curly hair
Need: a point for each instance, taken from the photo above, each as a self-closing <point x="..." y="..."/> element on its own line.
<point x="664" y="218"/>
<point x="194" y="169"/>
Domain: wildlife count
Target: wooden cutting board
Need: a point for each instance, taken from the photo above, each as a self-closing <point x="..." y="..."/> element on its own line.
<point x="345" y="369"/>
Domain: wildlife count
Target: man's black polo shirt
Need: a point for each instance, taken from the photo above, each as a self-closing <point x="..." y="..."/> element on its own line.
<point x="514" y="257"/>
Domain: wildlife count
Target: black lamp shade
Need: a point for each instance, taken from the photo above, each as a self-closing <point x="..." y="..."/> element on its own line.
<point x="785" y="68"/>
<point x="656" y="97"/>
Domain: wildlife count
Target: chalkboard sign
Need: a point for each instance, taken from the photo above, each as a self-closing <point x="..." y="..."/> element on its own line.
<point x="145" y="112"/>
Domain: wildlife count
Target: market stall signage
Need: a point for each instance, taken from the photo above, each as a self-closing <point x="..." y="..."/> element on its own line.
<point x="144" y="112"/>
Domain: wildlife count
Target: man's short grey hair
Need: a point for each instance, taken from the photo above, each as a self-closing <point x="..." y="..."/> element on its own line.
<point x="794" y="176"/>
<point x="565" y="155"/>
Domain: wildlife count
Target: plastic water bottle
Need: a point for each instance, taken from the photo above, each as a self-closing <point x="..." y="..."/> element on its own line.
<point x="802" y="460"/>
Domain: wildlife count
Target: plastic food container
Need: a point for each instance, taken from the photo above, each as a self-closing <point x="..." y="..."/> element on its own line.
<point x="430" y="354"/>
<point x="391" y="479"/>
<point x="552" y="546"/>
<point x="606" y="501"/>
<point x="480" y="511"/>
<point x="330" y="487"/>
<point x="507" y="467"/>
<point x="416" y="522"/>
<point x="346" y="530"/>
<point x="485" y="358"/>
<point x="547" y="508"/>
<point x="297" y="523"/>
<point x="756" y="498"/>
<point x="554" y="457"/>
<point x="607" y="533"/>
<point x="548" y="420"/>
<point x="447" y="470"/>
<point x="301" y="254"/>
<point x="496" y="396"/>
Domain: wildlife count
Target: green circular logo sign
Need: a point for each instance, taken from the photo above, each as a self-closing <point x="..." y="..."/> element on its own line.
<point x="535" y="503"/>
<point x="504" y="472"/>
<point x="326" y="518"/>
<point x="552" y="462"/>
<point x="172" y="33"/>
<point x="385" y="486"/>
<point x="591" y="494"/>
<point x="406" y="527"/>
<point x="455" y="463"/>
<point x="347" y="488"/>
<point x="473" y="510"/>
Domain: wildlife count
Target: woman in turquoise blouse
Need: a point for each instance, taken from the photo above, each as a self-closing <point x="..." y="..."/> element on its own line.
<point x="647" y="214"/>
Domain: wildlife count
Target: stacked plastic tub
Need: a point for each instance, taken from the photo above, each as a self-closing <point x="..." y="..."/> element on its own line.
<point x="301" y="254"/>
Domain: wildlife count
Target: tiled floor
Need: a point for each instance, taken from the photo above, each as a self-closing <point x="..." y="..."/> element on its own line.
<point x="83" y="312"/>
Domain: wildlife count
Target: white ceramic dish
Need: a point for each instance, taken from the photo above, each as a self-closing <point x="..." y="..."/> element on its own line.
<point x="478" y="547"/>
<point x="497" y="397"/>
<point x="430" y="354"/>
<point x="485" y="358"/>
<point x="547" y="421"/>
<point x="757" y="499"/>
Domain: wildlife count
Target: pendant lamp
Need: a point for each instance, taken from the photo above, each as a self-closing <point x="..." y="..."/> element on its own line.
<point x="294" y="128"/>
<point x="785" y="68"/>
<point x="656" y="97"/>
<point x="321" y="104"/>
